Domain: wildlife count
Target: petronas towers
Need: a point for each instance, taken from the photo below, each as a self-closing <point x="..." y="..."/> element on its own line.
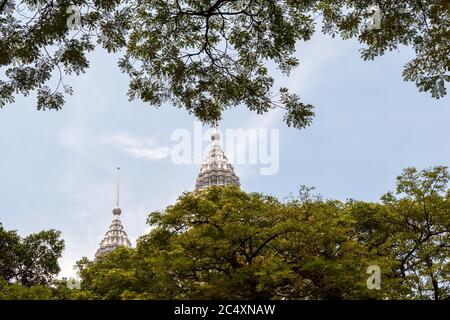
<point x="215" y="171"/>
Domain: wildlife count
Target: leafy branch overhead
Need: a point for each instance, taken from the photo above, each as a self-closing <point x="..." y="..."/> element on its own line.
<point x="207" y="56"/>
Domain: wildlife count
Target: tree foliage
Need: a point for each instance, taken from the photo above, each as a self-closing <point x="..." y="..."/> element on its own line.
<point x="29" y="261"/>
<point x="223" y="243"/>
<point x="422" y="222"/>
<point x="207" y="56"/>
<point x="29" y="266"/>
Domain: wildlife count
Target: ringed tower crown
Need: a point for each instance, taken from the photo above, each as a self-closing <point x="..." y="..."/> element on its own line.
<point x="216" y="170"/>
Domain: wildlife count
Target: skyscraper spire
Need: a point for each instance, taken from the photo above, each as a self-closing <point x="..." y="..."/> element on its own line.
<point x="215" y="136"/>
<point x="116" y="235"/>
<point x="116" y="209"/>
<point x="216" y="170"/>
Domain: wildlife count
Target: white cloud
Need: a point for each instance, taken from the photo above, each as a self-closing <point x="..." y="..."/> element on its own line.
<point x="123" y="140"/>
<point x="145" y="148"/>
<point x="149" y="153"/>
<point x="137" y="147"/>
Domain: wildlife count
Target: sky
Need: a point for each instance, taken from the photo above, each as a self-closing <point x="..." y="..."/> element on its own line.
<point x="57" y="169"/>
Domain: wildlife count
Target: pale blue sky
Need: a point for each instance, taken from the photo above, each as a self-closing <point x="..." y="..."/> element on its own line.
<point x="57" y="168"/>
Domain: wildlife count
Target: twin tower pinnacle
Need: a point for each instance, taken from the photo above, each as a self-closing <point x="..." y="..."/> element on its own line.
<point x="116" y="235"/>
<point x="215" y="171"/>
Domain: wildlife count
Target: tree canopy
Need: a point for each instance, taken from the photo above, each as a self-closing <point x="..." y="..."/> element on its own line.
<point x="208" y="56"/>
<point x="32" y="260"/>
<point x="223" y="243"/>
<point x="29" y="266"/>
